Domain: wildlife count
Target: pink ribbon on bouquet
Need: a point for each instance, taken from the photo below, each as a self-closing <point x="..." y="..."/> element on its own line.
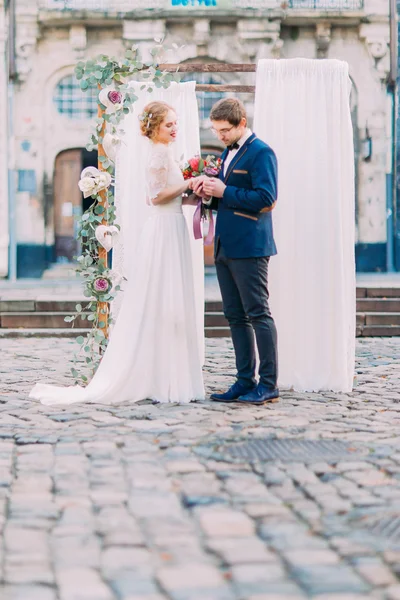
<point x="197" y="225"/>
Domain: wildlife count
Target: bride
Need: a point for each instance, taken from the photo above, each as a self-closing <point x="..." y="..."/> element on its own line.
<point x="154" y="350"/>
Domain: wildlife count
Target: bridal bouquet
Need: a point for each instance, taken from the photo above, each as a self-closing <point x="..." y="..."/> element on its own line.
<point x="210" y="166"/>
<point x="196" y="166"/>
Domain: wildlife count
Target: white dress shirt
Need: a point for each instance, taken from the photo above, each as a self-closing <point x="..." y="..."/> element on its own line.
<point x="231" y="154"/>
<point x="229" y="157"/>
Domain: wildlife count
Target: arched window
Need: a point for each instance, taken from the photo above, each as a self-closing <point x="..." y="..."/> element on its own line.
<point x="72" y="102"/>
<point x="205" y="100"/>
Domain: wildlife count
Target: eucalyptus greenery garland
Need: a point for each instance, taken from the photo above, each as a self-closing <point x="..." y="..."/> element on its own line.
<point x="100" y="283"/>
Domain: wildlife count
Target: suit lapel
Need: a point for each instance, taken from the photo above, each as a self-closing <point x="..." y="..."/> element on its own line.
<point x="223" y="157"/>
<point x="242" y="150"/>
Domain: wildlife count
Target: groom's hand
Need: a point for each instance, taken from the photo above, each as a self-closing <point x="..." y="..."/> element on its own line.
<point x="214" y="187"/>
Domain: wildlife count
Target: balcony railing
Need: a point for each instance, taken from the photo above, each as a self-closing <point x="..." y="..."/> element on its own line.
<point x="127" y="6"/>
<point x="328" y="5"/>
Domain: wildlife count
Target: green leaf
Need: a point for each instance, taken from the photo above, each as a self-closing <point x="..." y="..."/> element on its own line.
<point x="84" y="84"/>
<point x="78" y="308"/>
<point x="80" y="339"/>
<point x="98" y="74"/>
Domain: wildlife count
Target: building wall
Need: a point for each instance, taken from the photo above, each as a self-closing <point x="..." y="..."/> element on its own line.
<point x="3" y="145"/>
<point x="49" y="45"/>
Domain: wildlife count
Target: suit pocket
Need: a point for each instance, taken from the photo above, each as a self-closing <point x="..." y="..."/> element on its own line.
<point x="239" y="214"/>
<point x="240" y="171"/>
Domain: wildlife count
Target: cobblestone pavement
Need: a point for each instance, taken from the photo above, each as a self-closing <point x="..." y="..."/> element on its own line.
<point x="148" y="501"/>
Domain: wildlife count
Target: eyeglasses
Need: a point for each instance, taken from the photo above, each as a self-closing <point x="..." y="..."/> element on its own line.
<point x="217" y="132"/>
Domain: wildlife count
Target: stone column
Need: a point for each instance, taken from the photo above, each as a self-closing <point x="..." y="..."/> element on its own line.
<point x="373" y="117"/>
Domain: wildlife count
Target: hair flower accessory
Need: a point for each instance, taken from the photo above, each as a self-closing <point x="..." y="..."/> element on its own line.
<point x="145" y="117"/>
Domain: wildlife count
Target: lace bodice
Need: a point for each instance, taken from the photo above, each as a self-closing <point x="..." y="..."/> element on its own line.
<point x="163" y="171"/>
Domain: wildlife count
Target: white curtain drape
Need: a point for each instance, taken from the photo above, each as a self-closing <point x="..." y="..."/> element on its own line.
<point x="302" y="111"/>
<point x="130" y="190"/>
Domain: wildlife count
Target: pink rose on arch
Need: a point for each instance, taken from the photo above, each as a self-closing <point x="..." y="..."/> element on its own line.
<point x="114" y="96"/>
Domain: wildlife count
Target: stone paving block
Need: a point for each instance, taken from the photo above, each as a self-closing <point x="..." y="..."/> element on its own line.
<point x="28" y="572"/>
<point x="393" y="592"/>
<point x="273" y="596"/>
<point x="76" y="551"/>
<point x="304" y="557"/>
<point x="241" y="550"/>
<point x="257" y="573"/>
<point x="82" y="584"/>
<point x="225" y="522"/>
<point x="119" y="559"/>
<point x="23" y="592"/>
<point x="321" y="579"/>
<point x="191" y="577"/>
<point x="375" y="572"/>
<point x="276" y="509"/>
<point x="184" y="466"/>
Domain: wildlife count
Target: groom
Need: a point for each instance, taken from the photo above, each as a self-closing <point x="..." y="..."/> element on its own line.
<point x="244" y="195"/>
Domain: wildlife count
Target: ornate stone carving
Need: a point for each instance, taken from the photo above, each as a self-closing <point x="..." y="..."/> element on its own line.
<point x="377" y="40"/>
<point x="78" y="40"/>
<point x="323" y="38"/>
<point x="260" y="37"/>
<point x="25" y="47"/>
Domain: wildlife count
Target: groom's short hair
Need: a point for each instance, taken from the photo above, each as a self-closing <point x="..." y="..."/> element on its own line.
<point x="228" y="109"/>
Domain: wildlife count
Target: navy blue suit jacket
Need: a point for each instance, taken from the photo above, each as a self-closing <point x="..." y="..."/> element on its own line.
<point x="243" y="229"/>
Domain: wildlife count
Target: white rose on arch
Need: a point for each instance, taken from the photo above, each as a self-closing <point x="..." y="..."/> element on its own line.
<point x="92" y="181"/>
<point x="111" y="145"/>
<point x="111" y="98"/>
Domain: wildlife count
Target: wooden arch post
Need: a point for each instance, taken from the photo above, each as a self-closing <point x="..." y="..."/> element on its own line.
<point x="103" y="307"/>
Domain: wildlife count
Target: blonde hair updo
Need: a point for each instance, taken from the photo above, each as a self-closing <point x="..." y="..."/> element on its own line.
<point x="151" y="118"/>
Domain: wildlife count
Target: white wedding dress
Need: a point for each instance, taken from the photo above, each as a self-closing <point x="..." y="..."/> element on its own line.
<point x="154" y="350"/>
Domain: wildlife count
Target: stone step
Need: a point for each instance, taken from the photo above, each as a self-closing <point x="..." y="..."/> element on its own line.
<point x="215" y="319"/>
<point x="382" y="319"/>
<point x="381" y="305"/>
<point x="378" y="292"/>
<point x="41" y="333"/>
<point x="41" y="320"/>
<point x="379" y="331"/>
<point x="217" y="332"/>
<point x="209" y="332"/>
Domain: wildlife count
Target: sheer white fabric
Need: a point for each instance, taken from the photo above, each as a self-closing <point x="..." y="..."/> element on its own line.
<point x="156" y="348"/>
<point x="302" y="111"/>
<point x="158" y="173"/>
<point x="131" y="187"/>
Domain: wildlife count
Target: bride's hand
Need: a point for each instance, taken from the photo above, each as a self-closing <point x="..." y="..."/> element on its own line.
<point x="197" y="183"/>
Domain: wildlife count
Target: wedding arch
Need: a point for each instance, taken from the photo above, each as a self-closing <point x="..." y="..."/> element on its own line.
<point x="312" y="280"/>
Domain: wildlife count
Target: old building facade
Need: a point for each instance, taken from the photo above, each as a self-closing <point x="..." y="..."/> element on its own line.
<point x="51" y="118"/>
